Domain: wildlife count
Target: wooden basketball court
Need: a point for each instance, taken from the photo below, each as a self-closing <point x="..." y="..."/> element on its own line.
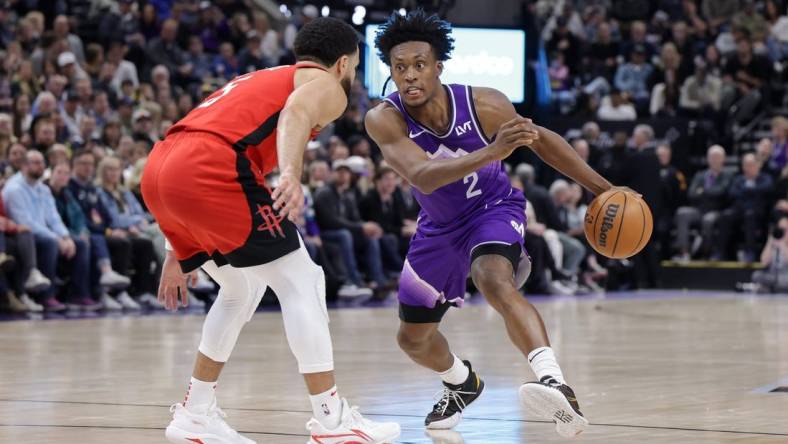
<point x="647" y="368"/>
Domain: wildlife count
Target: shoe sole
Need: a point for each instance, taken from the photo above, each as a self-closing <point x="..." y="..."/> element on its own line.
<point x="180" y="436"/>
<point x="443" y="424"/>
<point x="550" y="404"/>
<point x="387" y="440"/>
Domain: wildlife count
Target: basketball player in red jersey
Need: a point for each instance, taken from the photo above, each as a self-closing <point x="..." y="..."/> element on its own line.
<point x="204" y="183"/>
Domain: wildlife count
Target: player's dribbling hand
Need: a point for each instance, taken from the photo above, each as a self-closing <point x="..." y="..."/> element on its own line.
<point x="174" y="283"/>
<point x="513" y="134"/>
<point x="628" y="190"/>
<point x="288" y="197"/>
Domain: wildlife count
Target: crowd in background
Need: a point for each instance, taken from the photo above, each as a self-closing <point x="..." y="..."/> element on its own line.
<point x="624" y="60"/>
<point x="83" y="100"/>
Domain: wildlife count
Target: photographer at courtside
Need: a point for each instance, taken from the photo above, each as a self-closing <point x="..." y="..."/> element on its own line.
<point x="774" y="279"/>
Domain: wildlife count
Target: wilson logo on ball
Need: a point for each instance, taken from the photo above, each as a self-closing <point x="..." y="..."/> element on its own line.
<point x="607" y="223"/>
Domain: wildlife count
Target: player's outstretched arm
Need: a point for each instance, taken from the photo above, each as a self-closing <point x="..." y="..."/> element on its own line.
<point x="314" y="104"/>
<point x="494" y="109"/>
<point x="386" y="126"/>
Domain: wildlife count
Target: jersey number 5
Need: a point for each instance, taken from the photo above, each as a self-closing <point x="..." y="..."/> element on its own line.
<point x="473" y="178"/>
<point x="230" y="86"/>
<point x="226" y="90"/>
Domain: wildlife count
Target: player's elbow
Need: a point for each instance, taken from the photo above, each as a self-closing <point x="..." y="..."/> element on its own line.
<point x="422" y="183"/>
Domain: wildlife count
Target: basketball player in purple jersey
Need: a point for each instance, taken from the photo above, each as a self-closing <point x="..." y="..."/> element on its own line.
<point x="449" y="141"/>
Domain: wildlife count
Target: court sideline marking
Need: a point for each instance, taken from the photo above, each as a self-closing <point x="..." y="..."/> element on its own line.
<point x="634" y="426"/>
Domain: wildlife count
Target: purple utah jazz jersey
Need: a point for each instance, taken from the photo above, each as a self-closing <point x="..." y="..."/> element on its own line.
<point x="487" y="186"/>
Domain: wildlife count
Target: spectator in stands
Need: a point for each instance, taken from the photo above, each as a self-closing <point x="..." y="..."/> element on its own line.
<point x="641" y="172"/>
<point x="164" y="50"/>
<point x="749" y="19"/>
<point x="98" y="221"/>
<point x="340" y="223"/>
<point x="701" y="93"/>
<point x="749" y="194"/>
<point x="127" y="216"/>
<point x="575" y="216"/>
<point x="71" y="113"/>
<point x="69" y="68"/>
<point x="15" y="159"/>
<point x="763" y="153"/>
<point x="29" y="202"/>
<point x="23" y="116"/>
<point x="643" y="137"/>
<point x="383" y="204"/>
<point x="605" y="52"/>
<point x="719" y="12"/>
<point x="538" y="196"/>
<point x="573" y="250"/>
<point x="143" y="127"/>
<point x="62" y="30"/>
<point x="543" y="246"/>
<point x="775" y="258"/>
<point x="251" y="58"/>
<point x="44" y="133"/>
<point x="26" y="277"/>
<point x="616" y="106"/>
<point x="197" y="57"/>
<point x="596" y="139"/>
<point x="326" y="255"/>
<point x="638" y="38"/>
<point x="781" y="196"/>
<point x="745" y="79"/>
<point x="779" y="142"/>
<point x="71" y="213"/>
<point x="666" y="81"/>
<point x="319" y="174"/>
<point x="707" y="197"/>
<point x="674" y="189"/>
<point x="225" y="64"/>
<point x="632" y="78"/>
<point x="121" y="24"/>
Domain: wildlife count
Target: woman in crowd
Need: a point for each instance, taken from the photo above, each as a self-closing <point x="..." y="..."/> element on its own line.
<point x="127" y="214"/>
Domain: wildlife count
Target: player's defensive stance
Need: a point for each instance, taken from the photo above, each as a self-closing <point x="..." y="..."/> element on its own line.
<point x="449" y="141"/>
<point x="204" y="184"/>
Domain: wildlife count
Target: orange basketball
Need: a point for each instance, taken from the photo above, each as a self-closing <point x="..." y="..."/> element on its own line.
<point x="618" y="224"/>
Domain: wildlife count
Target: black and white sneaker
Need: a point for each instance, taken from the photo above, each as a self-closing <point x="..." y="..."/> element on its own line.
<point x="447" y="413"/>
<point x="552" y="401"/>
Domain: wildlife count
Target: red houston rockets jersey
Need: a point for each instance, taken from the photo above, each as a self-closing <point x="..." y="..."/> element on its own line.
<point x="245" y="112"/>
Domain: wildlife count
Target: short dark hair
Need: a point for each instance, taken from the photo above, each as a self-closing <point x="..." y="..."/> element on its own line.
<point x="324" y="40"/>
<point x="416" y="26"/>
<point x="82" y="153"/>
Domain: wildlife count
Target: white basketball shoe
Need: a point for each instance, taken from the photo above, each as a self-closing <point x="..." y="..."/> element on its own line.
<point x="191" y="428"/>
<point x="353" y="428"/>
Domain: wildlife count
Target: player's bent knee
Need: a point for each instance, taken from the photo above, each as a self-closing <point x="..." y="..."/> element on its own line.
<point x="492" y="281"/>
<point x="411" y="340"/>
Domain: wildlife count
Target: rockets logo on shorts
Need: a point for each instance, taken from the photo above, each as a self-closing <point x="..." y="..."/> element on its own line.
<point x="271" y="221"/>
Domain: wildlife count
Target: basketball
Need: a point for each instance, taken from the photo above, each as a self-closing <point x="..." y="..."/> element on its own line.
<point x="618" y="224"/>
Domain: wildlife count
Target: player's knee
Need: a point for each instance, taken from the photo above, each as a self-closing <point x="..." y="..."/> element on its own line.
<point x="493" y="277"/>
<point x="412" y="341"/>
<point x="234" y="293"/>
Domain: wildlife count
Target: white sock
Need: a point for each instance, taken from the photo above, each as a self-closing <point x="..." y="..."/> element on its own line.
<point x="199" y="396"/>
<point x="327" y="408"/>
<point x="457" y="374"/>
<point x="543" y="364"/>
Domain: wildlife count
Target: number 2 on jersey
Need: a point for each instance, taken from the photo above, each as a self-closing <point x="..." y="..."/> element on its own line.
<point x="473" y="178"/>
